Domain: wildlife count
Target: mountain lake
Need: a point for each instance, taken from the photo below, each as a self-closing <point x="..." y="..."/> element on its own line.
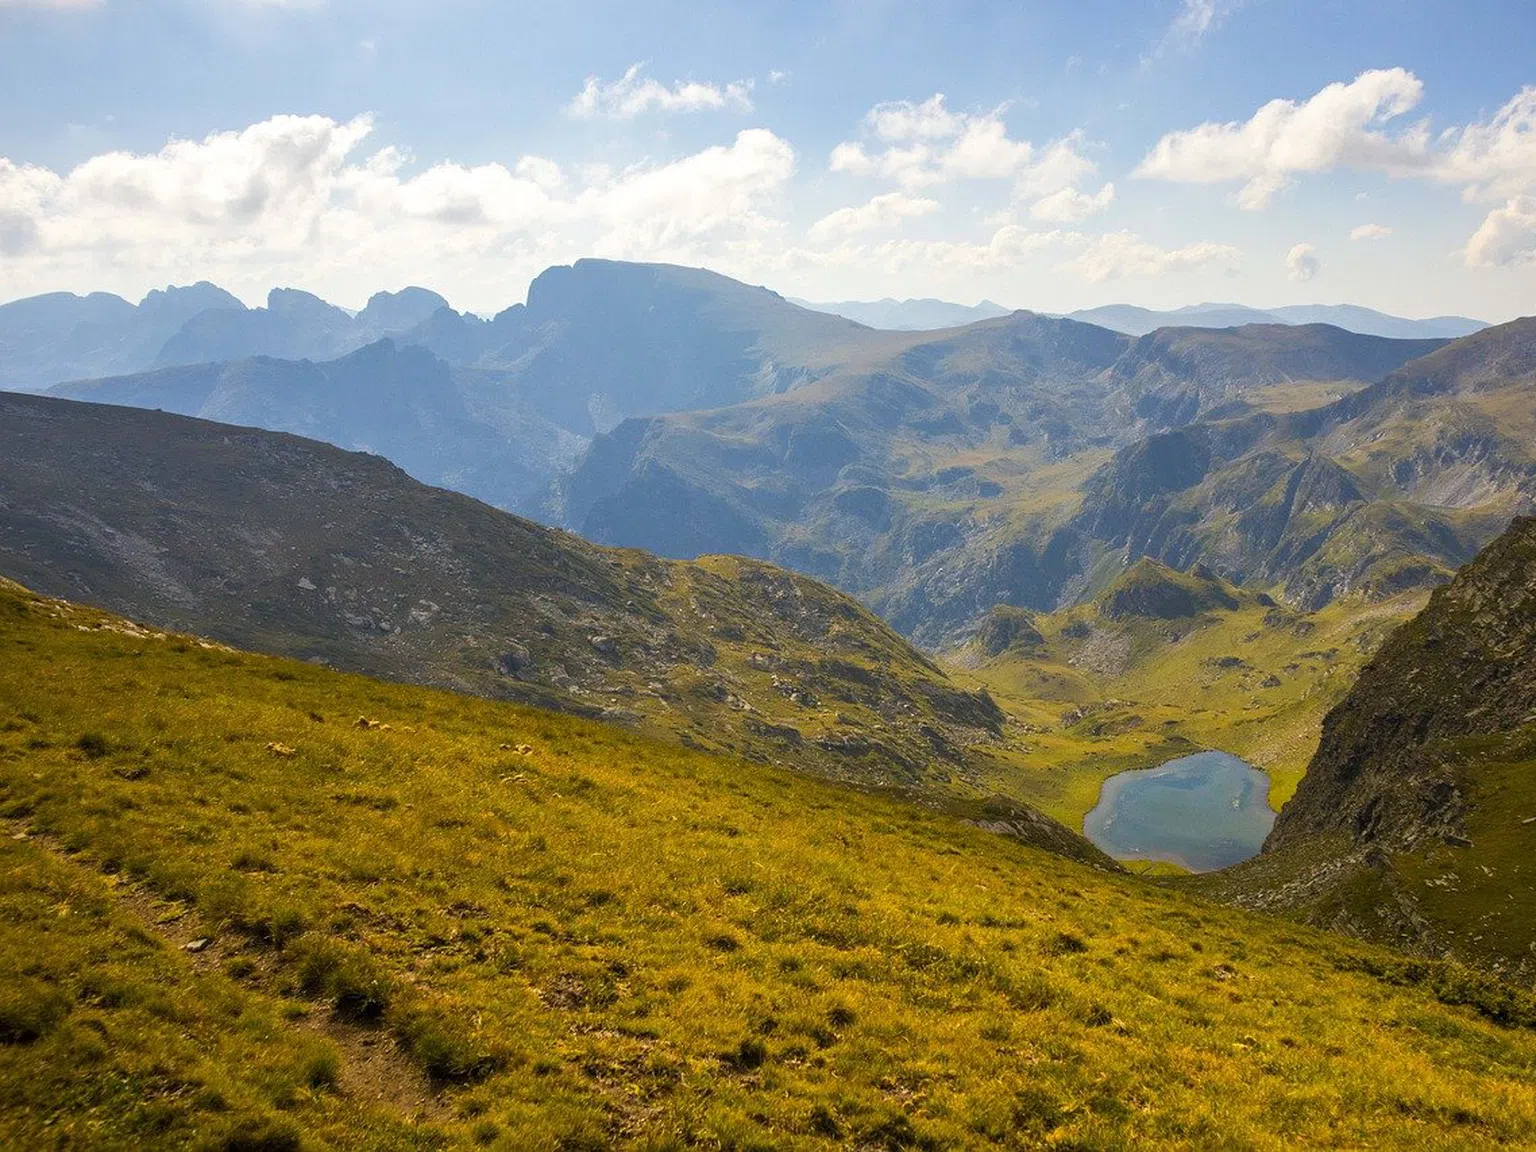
<point x="1201" y="812"/>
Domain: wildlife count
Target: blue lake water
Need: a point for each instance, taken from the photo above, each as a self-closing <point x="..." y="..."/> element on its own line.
<point x="1202" y="812"/>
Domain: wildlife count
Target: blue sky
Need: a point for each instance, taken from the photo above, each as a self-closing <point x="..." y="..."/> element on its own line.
<point x="1050" y="156"/>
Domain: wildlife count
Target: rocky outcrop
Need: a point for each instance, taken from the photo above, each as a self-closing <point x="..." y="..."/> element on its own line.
<point x="1416" y="821"/>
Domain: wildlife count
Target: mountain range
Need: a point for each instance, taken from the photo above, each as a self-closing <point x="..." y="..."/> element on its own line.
<point x="929" y="314"/>
<point x="1367" y="321"/>
<point x="48" y="339"/>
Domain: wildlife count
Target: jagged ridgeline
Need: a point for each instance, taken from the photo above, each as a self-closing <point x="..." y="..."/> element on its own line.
<point x="1416" y="821"/>
<point x="290" y="546"/>
<point x="251" y="903"/>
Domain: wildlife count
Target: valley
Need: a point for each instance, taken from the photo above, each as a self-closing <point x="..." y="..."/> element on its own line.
<point x="799" y="773"/>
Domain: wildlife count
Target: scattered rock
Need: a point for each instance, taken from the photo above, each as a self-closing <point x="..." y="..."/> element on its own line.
<point x="199" y="945"/>
<point x="282" y="750"/>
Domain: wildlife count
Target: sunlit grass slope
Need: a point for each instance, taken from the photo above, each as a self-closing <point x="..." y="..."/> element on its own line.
<point x="437" y="921"/>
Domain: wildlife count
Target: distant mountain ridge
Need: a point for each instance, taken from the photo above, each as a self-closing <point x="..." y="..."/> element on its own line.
<point x="960" y="472"/>
<point x="46" y="340"/>
<point x="1136" y="321"/>
<point x="931" y="315"/>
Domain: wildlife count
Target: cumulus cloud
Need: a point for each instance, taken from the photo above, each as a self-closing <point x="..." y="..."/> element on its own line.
<point x="1302" y="264"/>
<point x="881" y="212"/>
<point x="1069" y="205"/>
<point x="1354" y="126"/>
<point x="920" y="144"/>
<point x="302" y="197"/>
<point x="1341" y="126"/>
<point x="1370" y="232"/>
<point x="634" y="94"/>
<point x="1118" y="254"/>
<point x="926" y="143"/>
<point x="1507" y="236"/>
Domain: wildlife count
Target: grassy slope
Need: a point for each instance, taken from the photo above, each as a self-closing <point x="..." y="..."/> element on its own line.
<point x="341" y="557"/>
<point x="475" y="923"/>
<point x="1134" y="692"/>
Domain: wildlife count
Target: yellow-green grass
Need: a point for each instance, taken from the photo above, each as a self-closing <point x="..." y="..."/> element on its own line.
<point x="468" y="923"/>
<point x="1136" y="692"/>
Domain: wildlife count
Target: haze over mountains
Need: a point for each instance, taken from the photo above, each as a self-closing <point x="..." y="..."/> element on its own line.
<point x="48" y="339"/>
<point x="1021" y="459"/>
<point x="1367" y="321"/>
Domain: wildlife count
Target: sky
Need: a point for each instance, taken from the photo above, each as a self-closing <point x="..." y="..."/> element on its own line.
<point x="1051" y="156"/>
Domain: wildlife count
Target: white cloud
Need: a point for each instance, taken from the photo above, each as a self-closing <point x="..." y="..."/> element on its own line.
<point x="635" y="94"/>
<point x="300" y="199"/>
<point x="1302" y="263"/>
<point x="1348" y="126"/>
<point x="881" y="212"/>
<point x="1194" y="19"/>
<point x="918" y="145"/>
<point x="1060" y="166"/>
<point x="927" y="144"/>
<point x="1370" y="232"/>
<point x="1117" y="254"/>
<point x="1340" y="126"/>
<point x="1068" y="205"/>
<point x="1507" y="236"/>
<point x="1010" y="247"/>
<point x="1497" y="159"/>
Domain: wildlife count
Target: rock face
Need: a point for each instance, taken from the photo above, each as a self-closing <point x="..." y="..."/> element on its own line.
<point x="1005" y="627"/>
<point x="1416" y="821"/>
<point x="278" y="544"/>
<point x="1465" y="667"/>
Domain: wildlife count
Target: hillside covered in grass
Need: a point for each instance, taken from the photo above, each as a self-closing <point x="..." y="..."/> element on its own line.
<point x="252" y="903"/>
